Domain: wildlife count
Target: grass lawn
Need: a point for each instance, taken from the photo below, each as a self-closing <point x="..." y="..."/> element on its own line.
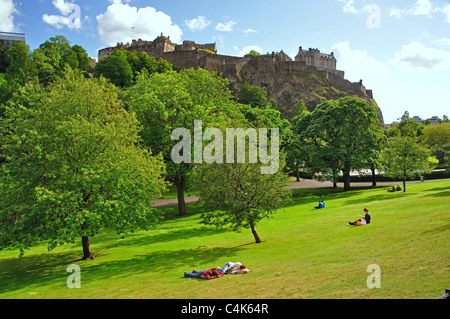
<point x="306" y="253"/>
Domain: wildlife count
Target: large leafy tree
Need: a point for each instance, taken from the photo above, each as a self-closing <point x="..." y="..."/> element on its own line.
<point x="166" y="101"/>
<point x="404" y="158"/>
<point x="340" y="135"/>
<point x="73" y="165"/>
<point x="239" y="196"/>
<point x="52" y="56"/>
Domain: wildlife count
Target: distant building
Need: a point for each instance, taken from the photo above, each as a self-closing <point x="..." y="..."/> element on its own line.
<point x="9" y="38"/>
<point x="418" y="119"/>
<point x="435" y="120"/>
<point x="313" y="57"/>
<point x="432" y="120"/>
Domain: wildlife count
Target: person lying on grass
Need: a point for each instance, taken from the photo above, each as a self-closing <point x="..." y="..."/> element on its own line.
<point x="204" y="274"/>
<point x="234" y="268"/>
<point x="364" y="220"/>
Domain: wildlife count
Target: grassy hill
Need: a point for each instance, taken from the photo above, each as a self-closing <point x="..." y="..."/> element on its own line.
<point x="306" y="253"/>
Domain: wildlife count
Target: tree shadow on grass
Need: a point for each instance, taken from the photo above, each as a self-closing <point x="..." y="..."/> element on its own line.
<point x="440" y="229"/>
<point x="162" y="262"/>
<point x="436" y="189"/>
<point x="379" y="197"/>
<point x="35" y="270"/>
<point x="148" y="237"/>
<point x="445" y="193"/>
<point x="46" y="270"/>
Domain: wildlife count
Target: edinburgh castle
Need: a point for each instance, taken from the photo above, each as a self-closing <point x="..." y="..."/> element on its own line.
<point x="312" y="76"/>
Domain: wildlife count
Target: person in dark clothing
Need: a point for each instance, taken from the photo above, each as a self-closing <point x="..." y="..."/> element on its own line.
<point x="364" y="219"/>
<point x="204" y="274"/>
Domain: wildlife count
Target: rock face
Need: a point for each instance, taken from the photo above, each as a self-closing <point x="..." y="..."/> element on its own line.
<point x="288" y="84"/>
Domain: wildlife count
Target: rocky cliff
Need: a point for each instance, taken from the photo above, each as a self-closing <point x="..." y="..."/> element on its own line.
<point x="286" y="83"/>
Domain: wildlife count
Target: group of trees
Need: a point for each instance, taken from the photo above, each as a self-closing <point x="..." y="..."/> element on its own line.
<point x="81" y="151"/>
<point x="84" y="149"/>
<point x="344" y="135"/>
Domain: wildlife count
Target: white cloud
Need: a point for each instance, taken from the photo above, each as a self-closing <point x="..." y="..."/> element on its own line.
<point x="115" y="25"/>
<point x="227" y="27"/>
<point x="7" y="15"/>
<point x="395" y="12"/>
<point x="358" y="64"/>
<point x="249" y="48"/>
<point x="349" y="6"/>
<point x="443" y="41"/>
<point x="249" y="31"/>
<point x="197" y="24"/>
<point x="72" y="21"/>
<point x="422" y="7"/>
<point x="416" y="58"/>
<point x="446" y="11"/>
<point x="64" y="7"/>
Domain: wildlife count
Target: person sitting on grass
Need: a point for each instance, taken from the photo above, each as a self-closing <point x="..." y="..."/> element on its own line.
<point x="321" y="205"/>
<point x="233" y="268"/>
<point x="204" y="274"/>
<point x="392" y="189"/>
<point x="364" y="220"/>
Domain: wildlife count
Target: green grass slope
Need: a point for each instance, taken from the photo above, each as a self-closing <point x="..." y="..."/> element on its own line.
<point x="306" y="253"/>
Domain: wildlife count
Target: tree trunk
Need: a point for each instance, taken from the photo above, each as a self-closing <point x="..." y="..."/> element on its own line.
<point x="181" y="184"/>
<point x="255" y="234"/>
<point x="374" y="177"/>
<point x="346" y="179"/>
<point x="404" y="185"/>
<point x="86" y="248"/>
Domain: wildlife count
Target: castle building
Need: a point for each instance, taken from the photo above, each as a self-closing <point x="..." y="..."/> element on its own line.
<point x="158" y="47"/>
<point x="313" y="57"/>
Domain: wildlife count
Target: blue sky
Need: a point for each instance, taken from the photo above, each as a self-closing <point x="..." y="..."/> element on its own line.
<point x="400" y="49"/>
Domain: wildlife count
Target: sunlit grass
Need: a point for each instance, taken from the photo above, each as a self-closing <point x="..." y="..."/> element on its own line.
<point x="305" y="253"/>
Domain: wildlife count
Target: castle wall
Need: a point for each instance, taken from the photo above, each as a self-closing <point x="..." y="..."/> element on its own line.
<point x="183" y="59"/>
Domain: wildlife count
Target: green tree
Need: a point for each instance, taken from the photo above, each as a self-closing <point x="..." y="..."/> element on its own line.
<point x="253" y="53"/>
<point x="20" y="66"/>
<point x="255" y="96"/>
<point x="73" y="165"/>
<point x="52" y="56"/>
<point x="239" y="196"/>
<point x="340" y="135"/>
<point x="116" y="69"/>
<point x="436" y="136"/>
<point x="405" y="158"/>
<point x="166" y="101"/>
<point x="437" y="139"/>
<point x="296" y="154"/>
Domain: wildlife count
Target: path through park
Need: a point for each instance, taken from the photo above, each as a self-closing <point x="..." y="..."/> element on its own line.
<point x="306" y="183"/>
